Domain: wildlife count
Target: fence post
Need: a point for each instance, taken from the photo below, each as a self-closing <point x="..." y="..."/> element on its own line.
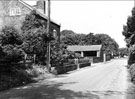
<point x="76" y="62"/>
<point x="25" y="56"/>
<point x="34" y="58"/>
<point x="91" y="60"/>
<point x="104" y="57"/>
<point x="78" y="66"/>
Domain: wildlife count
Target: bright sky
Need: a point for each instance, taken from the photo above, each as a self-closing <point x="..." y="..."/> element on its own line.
<point x="92" y="16"/>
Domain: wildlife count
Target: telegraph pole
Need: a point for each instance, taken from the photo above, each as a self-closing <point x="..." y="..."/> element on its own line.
<point x="134" y="3"/>
<point x="48" y="34"/>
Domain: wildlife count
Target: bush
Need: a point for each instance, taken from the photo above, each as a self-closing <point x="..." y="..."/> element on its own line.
<point x="66" y="68"/>
<point x="97" y="60"/>
<point x="131" y="59"/>
<point x="84" y="65"/>
<point x="132" y="72"/>
<point x="36" y="70"/>
<point x="84" y="60"/>
<point x="14" y="79"/>
<point x="19" y="77"/>
<point x="10" y="44"/>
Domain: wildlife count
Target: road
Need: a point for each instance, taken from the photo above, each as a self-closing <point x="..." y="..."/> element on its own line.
<point x="100" y="81"/>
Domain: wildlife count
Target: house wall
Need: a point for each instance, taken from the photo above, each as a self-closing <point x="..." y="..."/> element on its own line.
<point x="7" y="7"/>
<point x="1" y="14"/>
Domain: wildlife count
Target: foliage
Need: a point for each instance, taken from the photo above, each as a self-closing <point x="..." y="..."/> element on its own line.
<point x="109" y="45"/>
<point x="129" y="29"/>
<point x="10" y="41"/>
<point x="132" y="72"/>
<point x="9" y="35"/>
<point x="66" y="68"/>
<point x="34" y="36"/>
<point x="85" y="60"/>
<point x="123" y="51"/>
<point x="32" y="21"/>
<point x="129" y="33"/>
<point x="60" y="55"/>
<point x="14" y="79"/>
<point x="71" y="40"/>
<point x="68" y="37"/>
<point x="33" y="42"/>
<point x="67" y="32"/>
<point x="90" y="39"/>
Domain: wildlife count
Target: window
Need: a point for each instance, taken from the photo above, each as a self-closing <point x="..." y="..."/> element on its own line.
<point x="54" y="33"/>
<point x="15" y="11"/>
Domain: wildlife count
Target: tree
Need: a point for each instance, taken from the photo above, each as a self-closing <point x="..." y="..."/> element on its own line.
<point x="67" y="32"/>
<point x="129" y="29"/>
<point x="109" y="45"/>
<point x="129" y="34"/>
<point x="90" y="39"/>
<point x="60" y="54"/>
<point x="123" y="51"/>
<point x="34" y="36"/>
<point x="68" y="37"/>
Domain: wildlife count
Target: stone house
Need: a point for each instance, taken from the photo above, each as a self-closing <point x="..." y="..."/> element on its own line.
<point x="13" y="12"/>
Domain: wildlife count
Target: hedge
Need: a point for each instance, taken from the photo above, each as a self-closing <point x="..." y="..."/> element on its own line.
<point x="66" y="68"/>
<point x="132" y="72"/>
<point x="84" y="65"/>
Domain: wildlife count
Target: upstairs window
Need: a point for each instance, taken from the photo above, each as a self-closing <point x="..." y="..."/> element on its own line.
<point x="15" y="11"/>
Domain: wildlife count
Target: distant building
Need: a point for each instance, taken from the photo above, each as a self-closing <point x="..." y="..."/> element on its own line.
<point x="92" y="51"/>
<point x="13" y="12"/>
<point x="87" y="50"/>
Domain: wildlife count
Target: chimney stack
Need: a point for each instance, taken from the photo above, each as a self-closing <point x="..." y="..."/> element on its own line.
<point x="41" y="6"/>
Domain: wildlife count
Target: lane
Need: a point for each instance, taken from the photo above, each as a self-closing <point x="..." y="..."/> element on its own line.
<point x="100" y="81"/>
<point x="107" y="80"/>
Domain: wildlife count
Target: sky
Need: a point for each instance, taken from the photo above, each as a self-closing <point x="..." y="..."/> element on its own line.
<point x="89" y="16"/>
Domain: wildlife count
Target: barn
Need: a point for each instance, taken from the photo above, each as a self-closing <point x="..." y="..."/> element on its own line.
<point x="94" y="52"/>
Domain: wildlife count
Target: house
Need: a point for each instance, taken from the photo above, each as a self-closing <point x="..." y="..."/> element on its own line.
<point x="13" y="13"/>
<point x="91" y="51"/>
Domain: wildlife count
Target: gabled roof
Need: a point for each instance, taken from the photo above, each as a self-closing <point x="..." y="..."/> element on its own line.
<point x="38" y="12"/>
<point x="84" y="48"/>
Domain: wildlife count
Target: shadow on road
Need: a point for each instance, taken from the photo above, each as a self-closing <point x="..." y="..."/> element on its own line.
<point x="45" y="91"/>
<point x="131" y="92"/>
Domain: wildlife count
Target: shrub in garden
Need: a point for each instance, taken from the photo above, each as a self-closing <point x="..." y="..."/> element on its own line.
<point x="10" y="41"/>
<point x="84" y="60"/>
<point x="11" y="73"/>
<point x="14" y="79"/>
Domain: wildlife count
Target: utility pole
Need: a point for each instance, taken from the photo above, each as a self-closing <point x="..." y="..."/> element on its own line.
<point x="48" y="34"/>
<point x="134" y="3"/>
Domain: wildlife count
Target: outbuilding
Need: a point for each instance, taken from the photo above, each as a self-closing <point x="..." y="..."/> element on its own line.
<point x="93" y="52"/>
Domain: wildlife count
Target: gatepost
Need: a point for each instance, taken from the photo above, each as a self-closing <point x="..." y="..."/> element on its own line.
<point x="76" y="62"/>
<point x="104" y="57"/>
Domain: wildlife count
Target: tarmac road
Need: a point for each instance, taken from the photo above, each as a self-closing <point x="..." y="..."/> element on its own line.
<point x="100" y="81"/>
<point x="107" y="80"/>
